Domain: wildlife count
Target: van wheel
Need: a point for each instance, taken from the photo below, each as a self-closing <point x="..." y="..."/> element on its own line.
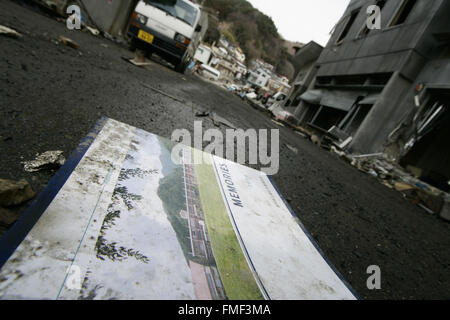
<point x="181" y="67"/>
<point x="133" y="45"/>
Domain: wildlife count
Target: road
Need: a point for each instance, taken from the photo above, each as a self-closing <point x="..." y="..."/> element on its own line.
<point x="52" y="95"/>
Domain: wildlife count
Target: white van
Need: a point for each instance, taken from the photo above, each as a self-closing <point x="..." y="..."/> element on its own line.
<point x="278" y="97"/>
<point x="209" y="72"/>
<point x="167" y="27"/>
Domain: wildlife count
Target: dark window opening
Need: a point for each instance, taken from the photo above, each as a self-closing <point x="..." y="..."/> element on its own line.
<point x="348" y="26"/>
<point x="355" y="119"/>
<point x="324" y="80"/>
<point x="296" y="101"/>
<point x="309" y="113"/>
<point x="329" y="117"/>
<point x="365" y="31"/>
<point x="351" y="80"/>
<point x="380" y="79"/>
<point x="403" y="12"/>
<point x="431" y="153"/>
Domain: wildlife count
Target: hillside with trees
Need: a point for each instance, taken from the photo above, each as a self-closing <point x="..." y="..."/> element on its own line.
<point x="252" y="30"/>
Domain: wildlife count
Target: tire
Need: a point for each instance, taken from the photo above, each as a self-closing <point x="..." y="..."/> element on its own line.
<point x="148" y="54"/>
<point x="133" y="45"/>
<point x="181" y="67"/>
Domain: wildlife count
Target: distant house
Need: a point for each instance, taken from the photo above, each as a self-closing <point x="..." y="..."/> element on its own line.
<point x="239" y="55"/>
<point x="261" y="64"/>
<point x="227" y="69"/>
<point x="241" y="70"/>
<point x="224" y="42"/>
<point x="278" y="84"/>
<point x="259" y="78"/>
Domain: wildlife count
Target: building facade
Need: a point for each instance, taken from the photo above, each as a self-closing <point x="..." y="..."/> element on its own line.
<point x="304" y="62"/>
<point x="278" y="84"/>
<point x="259" y="78"/>
<point x="387" y="90"/>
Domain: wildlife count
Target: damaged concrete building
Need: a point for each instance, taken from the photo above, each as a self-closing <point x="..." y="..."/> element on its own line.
<point x="386" y="90"/>
<point x="304" y="62"/>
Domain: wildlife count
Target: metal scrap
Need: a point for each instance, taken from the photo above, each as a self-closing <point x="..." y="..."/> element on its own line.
<point x="69" y="42"/>
<point x="93" y="31"/>
<point x="293" y="149"/>
<point x="8" y="32"/>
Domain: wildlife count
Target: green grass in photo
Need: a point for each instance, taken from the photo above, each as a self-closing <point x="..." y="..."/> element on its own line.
<point x="234" y="271"/>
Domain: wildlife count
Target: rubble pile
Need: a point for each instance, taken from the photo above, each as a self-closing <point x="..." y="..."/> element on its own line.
<point x="388" y="173"/>
<point x="393" y="176"/>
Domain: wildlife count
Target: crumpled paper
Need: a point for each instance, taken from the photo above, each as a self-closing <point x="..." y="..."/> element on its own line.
<point x="46" y="160"/>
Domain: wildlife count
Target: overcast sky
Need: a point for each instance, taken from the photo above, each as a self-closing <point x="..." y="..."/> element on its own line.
<point x="303" y="20"/>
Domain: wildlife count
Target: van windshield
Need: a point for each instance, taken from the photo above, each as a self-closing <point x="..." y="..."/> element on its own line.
<point x="176" y="8"/>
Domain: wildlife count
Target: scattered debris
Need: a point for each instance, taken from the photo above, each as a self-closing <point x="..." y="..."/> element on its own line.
<point x="367" y="155"/>
<point x="393" y="176"/>
<point x="164" y="94"/>
<point x="432" y="201"/>
<point x="445" y="212"/>
<point x="373" y="173"/>
<point x="316" y="140"/>
<point x="202" y="114"/>
<point x="336" y="151"/>
<point x="417" y="172"/>
<point x="293" y="149"/>
<point x="8" y="32"/>
<point x="106" y="35"/>
<point x="278" y="123"/>
<point x="94" y="31"/>
<point x="426" y="209"/>
<point x="69" y="42"/>
<point x="344" y="144"/>
<point x="139" y="59"/>
<point x="400" y="186"/>
<point x="46" y="160"/>
<point x="137" y="62"/>
<point x="13" y="193"/>
<point x="217" y="120"/>
<point x="283" y="115"/>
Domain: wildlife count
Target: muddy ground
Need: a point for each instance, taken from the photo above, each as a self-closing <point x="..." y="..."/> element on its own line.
<point x="51" y="96"/>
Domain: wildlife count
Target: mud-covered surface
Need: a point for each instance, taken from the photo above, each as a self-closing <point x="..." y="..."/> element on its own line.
<point x="52" y="95"/>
